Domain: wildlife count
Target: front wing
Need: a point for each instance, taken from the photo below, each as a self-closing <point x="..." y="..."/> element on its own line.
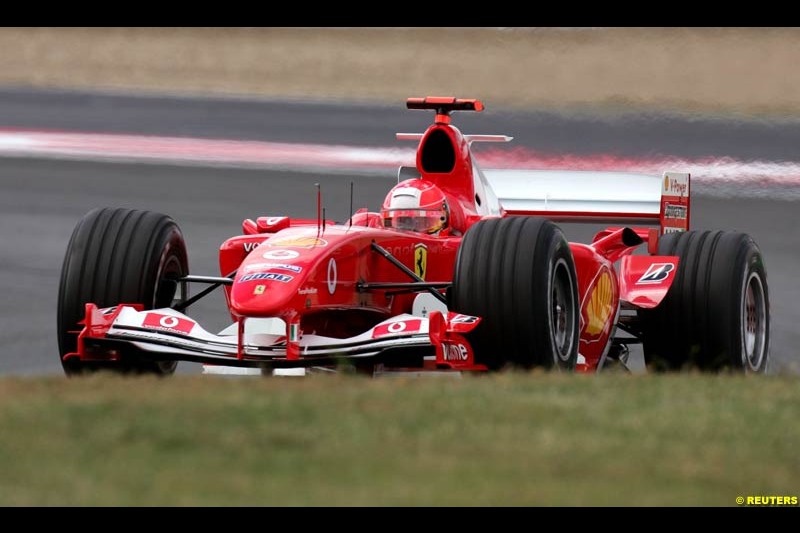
<point x="126" y="332"/>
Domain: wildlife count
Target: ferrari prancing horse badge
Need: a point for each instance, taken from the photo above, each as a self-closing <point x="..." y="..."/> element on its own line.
<point x="420" y="260"/>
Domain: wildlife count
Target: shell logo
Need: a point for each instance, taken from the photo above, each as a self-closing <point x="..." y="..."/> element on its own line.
<point x="297" y="242"/>
<point x="599" y="307"/>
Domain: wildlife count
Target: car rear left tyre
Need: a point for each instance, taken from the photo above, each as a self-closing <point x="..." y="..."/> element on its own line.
<point x="716" y="313"/>
<point x="118" y="255"/>
<point x="518" y="274"/>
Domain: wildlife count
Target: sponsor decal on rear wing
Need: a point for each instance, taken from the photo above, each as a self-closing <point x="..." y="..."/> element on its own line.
<point x="675" y="202"/>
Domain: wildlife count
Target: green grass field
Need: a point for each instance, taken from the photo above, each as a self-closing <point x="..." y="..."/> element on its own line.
<point x="531" y="439"/>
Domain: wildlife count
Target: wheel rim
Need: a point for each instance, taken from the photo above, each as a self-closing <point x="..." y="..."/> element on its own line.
<point x="166" y="284"/>
<point x="164" y="294"/>
<point x="754" y="322"/>
<point x="562" y="319"/>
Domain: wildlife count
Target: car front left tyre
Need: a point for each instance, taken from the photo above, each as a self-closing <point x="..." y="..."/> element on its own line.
<point x="118" y="255"/>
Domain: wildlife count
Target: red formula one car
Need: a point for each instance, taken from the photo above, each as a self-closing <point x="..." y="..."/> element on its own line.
<point x="463" y="269"/>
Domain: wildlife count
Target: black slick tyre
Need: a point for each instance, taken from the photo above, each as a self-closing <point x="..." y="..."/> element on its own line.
<point x="518" y="274"/>
<point x="118" y="255"/>
<point x="716" y="313"/>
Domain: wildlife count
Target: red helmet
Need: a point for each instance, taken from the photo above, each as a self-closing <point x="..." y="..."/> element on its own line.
<point x="415" y="205"/>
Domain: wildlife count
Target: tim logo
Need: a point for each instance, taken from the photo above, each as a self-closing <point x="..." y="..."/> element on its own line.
<point x="657" y="273"/>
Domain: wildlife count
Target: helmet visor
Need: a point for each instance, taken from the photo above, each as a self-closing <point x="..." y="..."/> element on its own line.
<point x="419" y="220"/>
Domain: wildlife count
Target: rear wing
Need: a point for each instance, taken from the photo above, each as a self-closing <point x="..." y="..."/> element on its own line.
<point x="586" y="196"/>
<point x="469" y="138"/>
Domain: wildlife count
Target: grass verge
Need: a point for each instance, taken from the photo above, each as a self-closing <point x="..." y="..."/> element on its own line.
<point x="497" y="440"/>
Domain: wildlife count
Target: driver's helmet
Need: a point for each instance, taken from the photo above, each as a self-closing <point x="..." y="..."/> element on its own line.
<point x="415" y="205"/>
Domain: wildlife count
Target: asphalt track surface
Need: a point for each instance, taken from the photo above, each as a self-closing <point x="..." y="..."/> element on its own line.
<point x="41" y="200"/>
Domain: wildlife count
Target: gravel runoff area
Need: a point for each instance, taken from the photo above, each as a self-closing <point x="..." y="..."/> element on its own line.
<point x="748" y="71"/>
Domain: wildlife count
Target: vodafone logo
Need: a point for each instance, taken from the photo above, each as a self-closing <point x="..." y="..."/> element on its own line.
<point x="397" y="327"/>
<point x="393" y="328"/>
<point x="168" y="323"/>
<point x="250" y="246"/>
<point x="332" y="276"/>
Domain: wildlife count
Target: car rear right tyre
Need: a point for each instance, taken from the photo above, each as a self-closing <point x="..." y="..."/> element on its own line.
<point x="518" y="274"/>
<point x="716" y="313"/>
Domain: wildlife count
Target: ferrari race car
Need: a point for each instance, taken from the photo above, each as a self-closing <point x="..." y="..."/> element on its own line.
<point x="463" y="269"/>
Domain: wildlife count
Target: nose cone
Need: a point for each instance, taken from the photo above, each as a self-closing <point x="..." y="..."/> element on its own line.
<point x="262" y="293"/>
<point x="267" y="281"/>
<point x="288" y="273"/>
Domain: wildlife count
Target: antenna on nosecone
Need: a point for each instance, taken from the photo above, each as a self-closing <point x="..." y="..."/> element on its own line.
<point x="319" y="207"/>
<point x="351" y="205"/>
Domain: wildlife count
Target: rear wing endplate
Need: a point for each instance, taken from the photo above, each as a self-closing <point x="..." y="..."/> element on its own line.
<point x="675" y="202"/>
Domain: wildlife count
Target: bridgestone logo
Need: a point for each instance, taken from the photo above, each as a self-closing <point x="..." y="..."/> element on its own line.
<point x="464" y="319"/>
<point x="656" y="273"/>
<point x="675" y="211"/>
